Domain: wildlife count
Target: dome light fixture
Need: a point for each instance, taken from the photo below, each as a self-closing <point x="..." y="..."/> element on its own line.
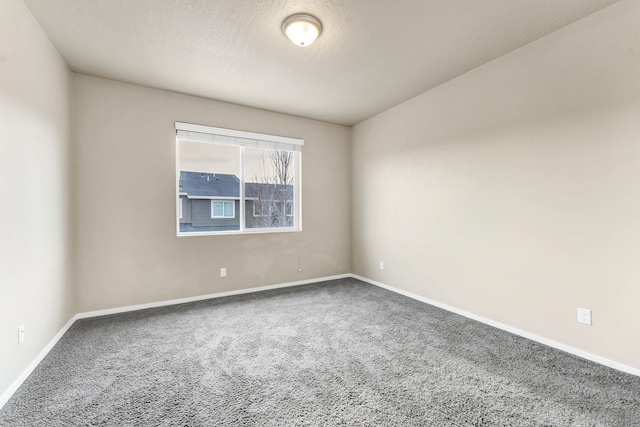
<point x="302" y="29"/>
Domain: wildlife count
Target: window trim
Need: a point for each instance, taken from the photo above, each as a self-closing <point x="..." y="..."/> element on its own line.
<point x="224" y="202"/>
<point x="214" y="135"/>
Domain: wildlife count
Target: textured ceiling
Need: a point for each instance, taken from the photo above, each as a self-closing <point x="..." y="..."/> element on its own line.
<point x="372" y="55"/>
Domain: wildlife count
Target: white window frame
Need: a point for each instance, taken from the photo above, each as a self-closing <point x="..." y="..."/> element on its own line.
<point x="242" y="139"/>
<point x="233" y="208"/>
<point x="180" y="207"/>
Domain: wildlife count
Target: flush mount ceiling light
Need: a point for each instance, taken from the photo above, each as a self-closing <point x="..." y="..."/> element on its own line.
<point x="302" y="29"/>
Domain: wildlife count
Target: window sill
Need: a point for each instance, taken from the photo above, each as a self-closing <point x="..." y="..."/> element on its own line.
<point x="235" y="232"/>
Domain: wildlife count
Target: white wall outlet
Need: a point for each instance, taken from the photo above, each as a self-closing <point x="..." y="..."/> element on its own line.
<point x="20" y="334"/>
<point x="381" y="265"/>
<point x="223" y="272"/>
<point x="584" y="316"/>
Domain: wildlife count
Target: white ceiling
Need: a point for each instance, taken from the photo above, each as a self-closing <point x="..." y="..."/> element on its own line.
<point x="372" y="55"/>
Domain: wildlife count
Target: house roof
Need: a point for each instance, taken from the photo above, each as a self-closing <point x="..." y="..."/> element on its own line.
<point x="197" y="184"/>
<point x="210" y="185"/>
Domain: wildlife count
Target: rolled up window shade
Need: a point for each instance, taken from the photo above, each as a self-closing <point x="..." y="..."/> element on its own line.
<point x="200" y="133"/>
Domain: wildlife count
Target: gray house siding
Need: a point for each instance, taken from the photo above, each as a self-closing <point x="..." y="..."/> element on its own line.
<point x="201" y="216"/>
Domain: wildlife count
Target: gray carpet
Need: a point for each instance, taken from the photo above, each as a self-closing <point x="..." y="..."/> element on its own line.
<point x="330" y="354"/>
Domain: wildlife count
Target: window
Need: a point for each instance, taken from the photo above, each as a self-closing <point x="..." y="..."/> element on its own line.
<point x="231" y="181"/>
<point x="259" y="209"/>
<point x="220" y="209"/>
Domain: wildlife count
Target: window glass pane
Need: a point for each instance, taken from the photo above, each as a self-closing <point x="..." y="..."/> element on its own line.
<point x="228" y="209"/>
<point x="217" y="209"/>
<point x="208" y="171"/>
<point x="269" y="186"/>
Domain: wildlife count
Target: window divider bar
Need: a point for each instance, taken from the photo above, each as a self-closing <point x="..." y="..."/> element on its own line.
<point x="242" y="203"/>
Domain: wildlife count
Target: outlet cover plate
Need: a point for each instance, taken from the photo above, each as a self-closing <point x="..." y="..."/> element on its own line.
<point x="20" y="334"/>
<point x="584" y="316"/>
<point x="223" y="272"/>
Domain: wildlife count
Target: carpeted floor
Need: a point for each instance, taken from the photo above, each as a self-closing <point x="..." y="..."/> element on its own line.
<point x="336" y="353"/>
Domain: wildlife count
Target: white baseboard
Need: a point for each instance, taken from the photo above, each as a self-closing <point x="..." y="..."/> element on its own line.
<point x="4" y="398"/>
<point x="25" y="374"/>
<point x="542" y="340"/>
<point x="205" y="297"/>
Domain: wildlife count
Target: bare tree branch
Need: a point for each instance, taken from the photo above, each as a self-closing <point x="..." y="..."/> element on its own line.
<point x="275" y="175"/>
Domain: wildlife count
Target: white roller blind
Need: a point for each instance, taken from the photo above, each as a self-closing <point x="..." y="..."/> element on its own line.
<point x="200" y="133"/>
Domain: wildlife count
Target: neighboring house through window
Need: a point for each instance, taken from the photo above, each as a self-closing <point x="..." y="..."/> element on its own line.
<point x="232" y="181"/>
<point x="259" y="210"/>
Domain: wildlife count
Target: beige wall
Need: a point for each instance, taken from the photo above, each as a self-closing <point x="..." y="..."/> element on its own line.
<point x="513" y="191"/>
<point x="35" y="286"/>
<point x="127" y="249"/>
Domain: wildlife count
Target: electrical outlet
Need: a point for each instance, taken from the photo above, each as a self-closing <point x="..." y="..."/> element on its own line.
<point x="20" y="334"/>
<point x="584" y="316"/>
<point x="223" y="272"/>
<point x="381" y="265"/>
